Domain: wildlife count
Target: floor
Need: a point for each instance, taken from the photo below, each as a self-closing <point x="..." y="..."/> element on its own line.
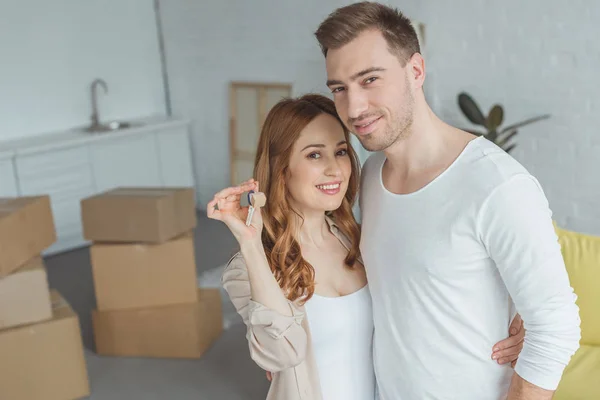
<point x="225" y="372"/>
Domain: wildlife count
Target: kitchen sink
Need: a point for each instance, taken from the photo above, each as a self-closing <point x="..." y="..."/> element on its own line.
<point x="111" y="126"/>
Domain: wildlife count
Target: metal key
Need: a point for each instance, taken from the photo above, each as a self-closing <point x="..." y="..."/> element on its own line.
<point x="250" y="209"/>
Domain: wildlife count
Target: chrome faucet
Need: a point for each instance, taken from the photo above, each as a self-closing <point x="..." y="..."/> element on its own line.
<point x="110" y="126"/>
<point x="93" y="88"/>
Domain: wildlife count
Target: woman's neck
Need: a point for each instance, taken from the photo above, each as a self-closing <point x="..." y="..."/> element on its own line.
<point x="313" y="230"/>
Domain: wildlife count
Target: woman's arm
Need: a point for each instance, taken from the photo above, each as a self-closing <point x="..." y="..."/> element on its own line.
<point x="263" y="285"/>
<point x="276" y="338"/>
<point x="277" y="341"/>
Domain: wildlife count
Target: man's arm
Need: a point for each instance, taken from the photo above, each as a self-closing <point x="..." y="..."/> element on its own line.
<point x="520" y="389"/>
<point x="516" y="227"/>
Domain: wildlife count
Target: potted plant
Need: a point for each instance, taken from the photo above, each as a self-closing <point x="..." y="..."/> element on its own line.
<point x="492" y="122"/>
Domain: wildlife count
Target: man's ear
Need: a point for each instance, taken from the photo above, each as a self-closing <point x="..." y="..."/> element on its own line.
<point x="416" y="69"/>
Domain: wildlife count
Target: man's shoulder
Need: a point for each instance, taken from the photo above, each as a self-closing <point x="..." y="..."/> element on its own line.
<point x="488" y="166"/>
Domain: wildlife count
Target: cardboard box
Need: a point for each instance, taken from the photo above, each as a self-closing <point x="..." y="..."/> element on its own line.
<point x="44" y="361"/>
<point x="26" y="229"/>
<point x="25" y="296"/>
<point x="150" y="215"/>
<point x="178" y="331"/>
<point x="144" y="275"/>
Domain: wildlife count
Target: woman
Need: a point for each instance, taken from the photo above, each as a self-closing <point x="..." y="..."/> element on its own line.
<point x="298" y="281"/>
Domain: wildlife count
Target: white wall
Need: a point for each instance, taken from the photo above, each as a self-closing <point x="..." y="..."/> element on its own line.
<point x="53" y="50"/>
<point x="211" y="43"/>
<point x="533" y="57"/>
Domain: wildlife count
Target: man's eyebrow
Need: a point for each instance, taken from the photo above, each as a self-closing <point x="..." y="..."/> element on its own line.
<point x="356" y="75"/>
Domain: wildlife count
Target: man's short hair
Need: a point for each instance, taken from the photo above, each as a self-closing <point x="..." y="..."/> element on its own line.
<point x="346" y="23"/>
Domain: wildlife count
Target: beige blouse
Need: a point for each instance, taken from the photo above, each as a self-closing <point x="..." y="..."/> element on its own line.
<point x="278" y="343"/>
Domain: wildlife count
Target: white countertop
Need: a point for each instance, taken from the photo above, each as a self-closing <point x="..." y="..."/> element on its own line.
<point x="71" y="137"/>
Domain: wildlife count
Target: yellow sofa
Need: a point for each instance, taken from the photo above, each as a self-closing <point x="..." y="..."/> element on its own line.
<point x="581" y="379"/>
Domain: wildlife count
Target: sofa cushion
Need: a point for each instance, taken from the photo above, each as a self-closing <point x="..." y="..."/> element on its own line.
<point x="582" y="258"/>
<point x="581" y="379"/>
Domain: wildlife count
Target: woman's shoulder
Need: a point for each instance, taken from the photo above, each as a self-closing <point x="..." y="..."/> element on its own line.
<point x="333" y="226"/>
<point x="337" y="232"/>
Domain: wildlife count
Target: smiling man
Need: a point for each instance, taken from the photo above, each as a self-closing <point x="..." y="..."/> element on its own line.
<point x="456" y="235"/>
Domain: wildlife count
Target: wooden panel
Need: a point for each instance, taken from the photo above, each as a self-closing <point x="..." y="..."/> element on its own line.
<point x="245" y="155"/>
<point x="274" y="95"/>
<point x="255" y="85"/>
<point x="232" y="136"/>
<point x="247" y="119"/>
<point x="262" y="109"/>
<point x="243" y="171"/>
<point x="249" y="106"/>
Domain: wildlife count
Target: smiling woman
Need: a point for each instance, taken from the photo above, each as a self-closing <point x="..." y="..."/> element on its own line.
<point x="303" y="145"/>
<point x="299" y="257"/>
<point x="319" y="161"/>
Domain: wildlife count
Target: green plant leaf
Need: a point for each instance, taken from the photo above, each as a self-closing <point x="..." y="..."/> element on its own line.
<point x="526" y="122"/>
<point x="474" y="132"/>
<point x="470" y="109"/>
<point x="494" y="118"/>
<point x="509" y="148"/>
<point x="492" y="135"/>
<point x="503" y="138"/>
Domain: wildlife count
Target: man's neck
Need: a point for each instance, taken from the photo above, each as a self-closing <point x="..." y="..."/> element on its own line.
<point x="423" y="154"/>
<point x="419" y="147"/>
<point x="430" y="144"/>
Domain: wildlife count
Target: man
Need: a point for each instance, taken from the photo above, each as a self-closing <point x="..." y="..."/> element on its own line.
<point x="455" y="233"/>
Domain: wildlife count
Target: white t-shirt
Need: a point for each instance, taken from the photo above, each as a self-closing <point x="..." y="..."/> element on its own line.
<point x="342" y="337"/>
<point x="445" y="264"/>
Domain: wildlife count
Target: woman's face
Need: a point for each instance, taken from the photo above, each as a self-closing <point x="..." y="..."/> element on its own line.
<point x="319" y="167"/>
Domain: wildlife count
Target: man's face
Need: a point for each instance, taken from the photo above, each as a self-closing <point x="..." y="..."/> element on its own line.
<point x="372" y="91"/>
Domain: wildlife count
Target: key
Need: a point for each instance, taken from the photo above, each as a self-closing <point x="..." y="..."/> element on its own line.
<point x="250" y="208"/>
<point x="256" y="200"/>
<point x="250" y="214"/>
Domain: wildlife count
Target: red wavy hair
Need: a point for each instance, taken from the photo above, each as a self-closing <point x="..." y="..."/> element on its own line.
<point x="280" y="131"/>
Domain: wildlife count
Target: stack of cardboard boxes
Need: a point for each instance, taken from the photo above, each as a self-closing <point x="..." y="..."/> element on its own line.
<point x="144" y="270"/>
<point x="41" y="352"/>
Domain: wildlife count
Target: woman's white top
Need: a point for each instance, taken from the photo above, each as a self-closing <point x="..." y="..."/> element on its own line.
<point x="342" y="339"/>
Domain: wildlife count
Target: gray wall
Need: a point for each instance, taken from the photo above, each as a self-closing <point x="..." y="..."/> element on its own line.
<point x="210" y="43"/>
<point x="533" y="57"/>
<point x="53" y="50"/>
